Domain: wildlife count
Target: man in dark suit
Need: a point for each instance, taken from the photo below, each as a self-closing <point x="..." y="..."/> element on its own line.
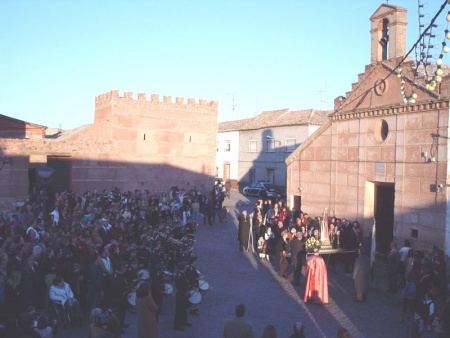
<point x="103" y="231"/>
<point x="39" y="288"/>
<point x="238" y="327"/>
<point x="27" y="284"/>
<point x="157" y="285"/>
<point x="298" y="256"/>
<point x="181" y="298"/>
<point x="119" y="294"/>
<point x="262" y="194"/>
<point x="392" y="267"/>
<point x="16" y="263"/>
<point x="426" y="282"/>
<point x="282" y="252"/>
<point x="349" y="242"/>
<point x="193" y="277"/>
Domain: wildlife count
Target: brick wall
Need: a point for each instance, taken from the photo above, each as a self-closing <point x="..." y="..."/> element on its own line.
<point x="133" y="144"/>
<point x="13" y="128"/>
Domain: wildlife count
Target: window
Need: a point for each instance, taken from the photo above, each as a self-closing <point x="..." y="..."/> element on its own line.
<point x="290" y="144"/>
<point x="252" y="176"/>
<point x="381" y="130"/>
<point x="270" y="175"/>
<point x="252" y="146"/>
<point x="270" y="146"/>
<point x="385" y="40"/>
<point x="227" y="145"/>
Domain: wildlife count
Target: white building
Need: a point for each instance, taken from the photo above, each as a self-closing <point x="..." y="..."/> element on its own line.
<point x="255" y="149"/>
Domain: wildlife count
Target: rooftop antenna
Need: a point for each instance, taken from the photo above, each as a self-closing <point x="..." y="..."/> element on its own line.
<point x="323" y="94"/>
<point x="233" y="106"/>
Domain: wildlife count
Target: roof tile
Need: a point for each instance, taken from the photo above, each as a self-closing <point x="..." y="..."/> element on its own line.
<point x="278" y="118"/>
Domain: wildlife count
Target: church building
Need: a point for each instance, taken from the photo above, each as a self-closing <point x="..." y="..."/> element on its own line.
<point x="383" y="155"/>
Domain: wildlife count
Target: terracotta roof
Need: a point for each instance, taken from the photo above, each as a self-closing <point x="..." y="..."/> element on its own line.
<point x="232" y="125"/>
<point x="278" y="118"/>
<point x="65" y="134"/>
<point x="17" y="120"/>
<point x="389" y="6"/>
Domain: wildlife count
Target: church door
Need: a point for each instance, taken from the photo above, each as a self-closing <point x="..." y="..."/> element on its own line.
<point x="384" y="215"/>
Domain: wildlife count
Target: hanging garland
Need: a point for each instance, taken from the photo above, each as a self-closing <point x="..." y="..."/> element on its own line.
<point x="422" y="59"/>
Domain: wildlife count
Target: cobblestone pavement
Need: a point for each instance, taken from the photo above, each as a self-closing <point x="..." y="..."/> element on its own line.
<point x="241" y="277"/>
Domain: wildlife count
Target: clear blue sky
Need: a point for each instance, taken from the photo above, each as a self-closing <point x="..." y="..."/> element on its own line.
<point x="57" y="55"/>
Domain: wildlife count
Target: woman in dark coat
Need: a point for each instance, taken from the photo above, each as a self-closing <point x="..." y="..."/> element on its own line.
<point x="13" y="295"/>
<point x="146" y="309"/>
<point x="361" y="275"/>
<point x="244" y="230"/>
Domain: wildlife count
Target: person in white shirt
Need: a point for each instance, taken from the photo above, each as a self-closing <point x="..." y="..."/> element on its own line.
<point x="61" y="293"/>
<point x="404" y="250"/>
<point x="55" y="214"/>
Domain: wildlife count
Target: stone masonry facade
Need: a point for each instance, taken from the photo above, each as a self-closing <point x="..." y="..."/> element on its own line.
<point x="133" y="144"/>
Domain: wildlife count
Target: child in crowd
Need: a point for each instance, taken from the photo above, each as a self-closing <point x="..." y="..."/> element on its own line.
<point x="429" y="312"/>
<point x="409" y="294"/>
<point x="261" y="244"/>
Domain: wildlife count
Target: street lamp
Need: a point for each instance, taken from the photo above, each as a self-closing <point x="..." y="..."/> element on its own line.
<point x="45" y="173"/>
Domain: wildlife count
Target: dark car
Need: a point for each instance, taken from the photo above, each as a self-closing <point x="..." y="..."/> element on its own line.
<point x="255" y="188"/>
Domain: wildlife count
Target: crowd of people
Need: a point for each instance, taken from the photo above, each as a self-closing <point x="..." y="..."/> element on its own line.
<point x="66" y="258"/>
<point x="282" y="235"/>
<point x="422" y="281"/>
<point x="288" y="238"/>
<point x="69" y="257"/>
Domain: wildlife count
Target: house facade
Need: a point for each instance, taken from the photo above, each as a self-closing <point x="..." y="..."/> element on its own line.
<point x="383" y="156"/>
<point x="260" y="145"/>
<point x="227" y="158"/>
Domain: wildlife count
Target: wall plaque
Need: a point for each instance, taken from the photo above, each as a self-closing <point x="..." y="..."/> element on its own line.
<point x="380" y="168"/>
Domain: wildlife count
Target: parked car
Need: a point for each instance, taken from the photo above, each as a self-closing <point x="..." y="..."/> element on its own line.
<point x="255" y="188"/>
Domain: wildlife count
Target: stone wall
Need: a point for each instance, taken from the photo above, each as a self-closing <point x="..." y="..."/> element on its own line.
<point x="336" y="170"/>
<point x="133" y="144"/>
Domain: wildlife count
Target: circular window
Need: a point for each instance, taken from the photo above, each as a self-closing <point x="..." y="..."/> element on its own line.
<point x="381" y="131"/>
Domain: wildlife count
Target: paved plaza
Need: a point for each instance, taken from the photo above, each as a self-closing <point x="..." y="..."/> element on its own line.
<point x="241" y="277"/>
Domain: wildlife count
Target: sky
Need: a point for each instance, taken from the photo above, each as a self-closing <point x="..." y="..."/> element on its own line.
<point x="249" y="55"/>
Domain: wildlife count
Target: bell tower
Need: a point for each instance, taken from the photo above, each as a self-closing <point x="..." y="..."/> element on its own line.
<point x="388" y="33"/>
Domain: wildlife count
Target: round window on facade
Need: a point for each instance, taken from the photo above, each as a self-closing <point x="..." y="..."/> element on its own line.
<point x="381" y="131"/>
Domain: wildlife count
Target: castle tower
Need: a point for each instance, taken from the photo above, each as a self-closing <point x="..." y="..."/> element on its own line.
<point x="388" y="33"/>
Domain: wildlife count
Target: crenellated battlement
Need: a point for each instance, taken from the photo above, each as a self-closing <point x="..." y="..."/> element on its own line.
<point x="129" y="111"/>
<point x="128" y="98"/>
